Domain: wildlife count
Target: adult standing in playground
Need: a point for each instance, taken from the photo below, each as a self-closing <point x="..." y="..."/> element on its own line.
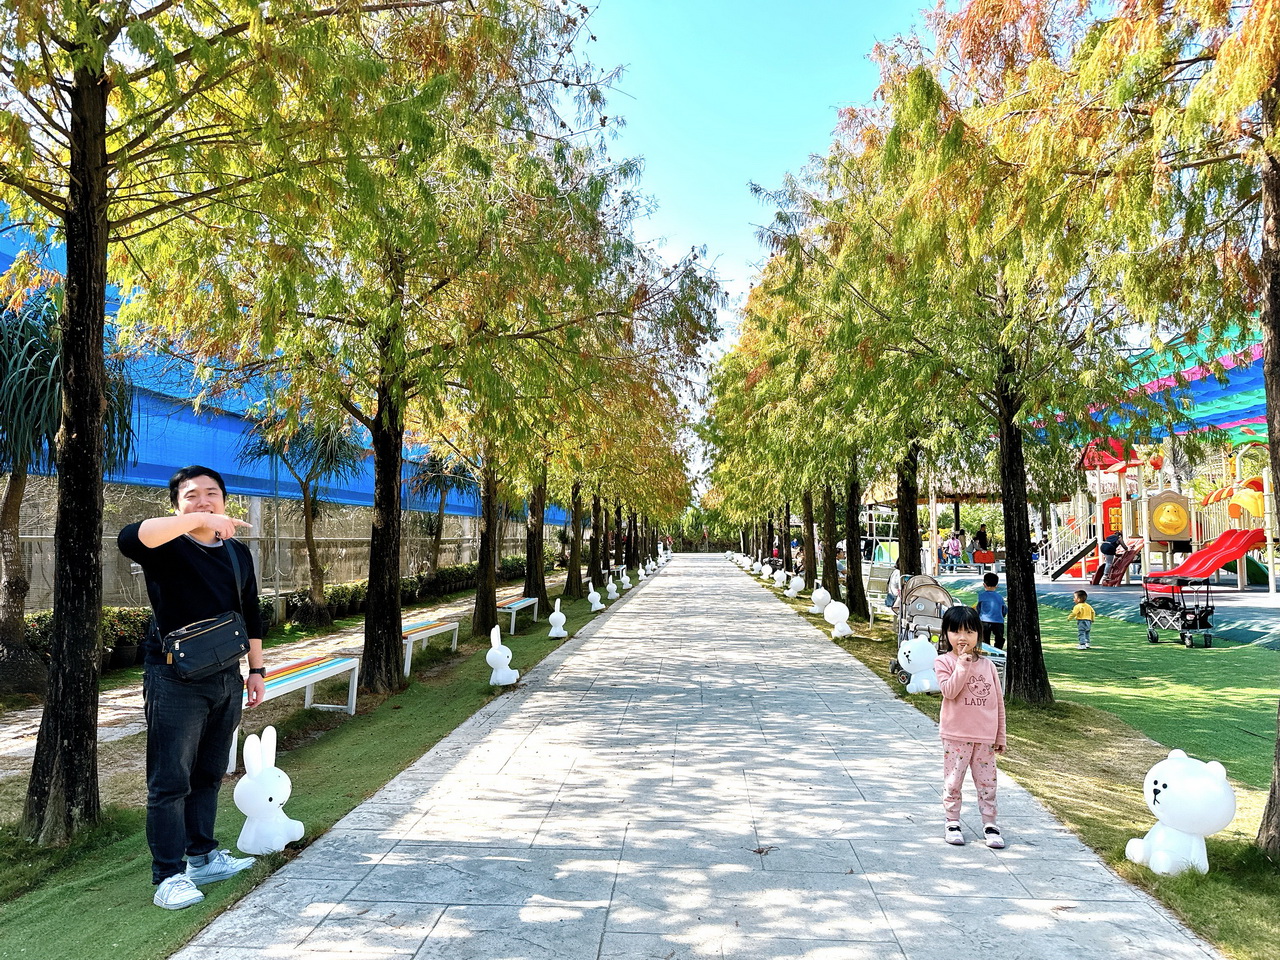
<point x="191" y="576"/>
<point x="1110" y="548"/>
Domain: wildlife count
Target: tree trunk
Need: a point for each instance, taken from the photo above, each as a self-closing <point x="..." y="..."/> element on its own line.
<point x="830" y="574"/>
<point x="768" y="536"/>
<point x="21" y="669"/>
<point x="484" y="615"/>
<point x="573" y="571"/>
<point x="1269" y="829"/>
<point x="856" y="590"/>
<point x="318" y="615"/>
<point x="806" y="539"/>
<point x="909" y="511"/>
<point x="439" y="534"/>
<point x="1027" y="676"/>
<point x="619" y="557"/>
<point x="955" y="514"/>
<point x="630" y="552"/>
<point x="62" y="794"/>
<point x="594" y="566"/>
<point x="381" y="667"/>
<point x="535" y="578"/>
<point x="785" y="528"/>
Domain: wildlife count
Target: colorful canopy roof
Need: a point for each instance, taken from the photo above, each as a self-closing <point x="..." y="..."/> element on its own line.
<point x="1238" y="407"/>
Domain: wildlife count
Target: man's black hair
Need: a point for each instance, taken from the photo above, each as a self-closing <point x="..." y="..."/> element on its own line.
<point x="188" y="473"/>
<point x="990" y="579"/>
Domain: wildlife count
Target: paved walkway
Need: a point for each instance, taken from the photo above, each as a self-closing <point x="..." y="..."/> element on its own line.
<point x="699" y="773"/>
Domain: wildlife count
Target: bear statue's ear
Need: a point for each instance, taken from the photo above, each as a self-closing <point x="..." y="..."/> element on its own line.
<point x="1217" y="769"/>
<point x="1174" y="754"/>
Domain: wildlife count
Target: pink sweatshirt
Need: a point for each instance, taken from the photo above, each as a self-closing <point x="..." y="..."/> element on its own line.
<point x="972" y="701"/>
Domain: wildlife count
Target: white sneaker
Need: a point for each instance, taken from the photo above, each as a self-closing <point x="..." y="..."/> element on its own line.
<point x="952" y="834"/>
<point x="220" y="865"/>
<point x="992" y="833"/>
<point x="176" y="892"/>
<point x="1082" y="646"/>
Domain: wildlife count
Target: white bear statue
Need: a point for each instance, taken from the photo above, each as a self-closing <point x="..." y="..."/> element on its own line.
<point x="916" y="657"/>
<point x="821" y="596"/>
<point x="260" y="796"/>
<point x="1191" y="799"/>
<point x="557" y="622"/>
<point x="779" y="578"/>
<point x="837" y="614"/>
<point x="794" y="588"/>
<point x="499" y="658"/>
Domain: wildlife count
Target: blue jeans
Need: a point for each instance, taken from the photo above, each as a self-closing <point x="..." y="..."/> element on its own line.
<point x="1082" y="631"/>
<point x="189" y="730"/>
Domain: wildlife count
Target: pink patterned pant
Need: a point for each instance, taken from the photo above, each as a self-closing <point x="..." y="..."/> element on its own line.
<point x="980" y="760"/>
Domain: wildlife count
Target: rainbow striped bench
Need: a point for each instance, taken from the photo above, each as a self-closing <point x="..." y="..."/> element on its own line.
<point x="514" y="606"/>
<point x="411" y="633"/>
<point x="305" y="674"/>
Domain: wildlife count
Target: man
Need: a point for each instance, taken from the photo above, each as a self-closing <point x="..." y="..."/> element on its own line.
<point x="1110" y="549"/>
<point x="981" y="541"/>
<point x="190" y="724"/>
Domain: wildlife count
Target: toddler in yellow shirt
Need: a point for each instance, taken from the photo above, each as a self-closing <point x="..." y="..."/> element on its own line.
<point x="1083" y="615"/>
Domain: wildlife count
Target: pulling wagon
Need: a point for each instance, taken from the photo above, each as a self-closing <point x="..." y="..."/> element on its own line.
<point x="1178" y="603"/>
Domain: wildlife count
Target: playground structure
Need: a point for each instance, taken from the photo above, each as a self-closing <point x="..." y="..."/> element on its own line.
<point x="1167" y="531"/>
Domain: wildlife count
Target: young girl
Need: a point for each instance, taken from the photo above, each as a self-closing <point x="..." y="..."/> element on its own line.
<point x="972" y="724"/>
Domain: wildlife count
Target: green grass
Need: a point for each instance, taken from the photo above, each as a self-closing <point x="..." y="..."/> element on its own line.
<point x="54" y="903"/>
<point x="1085" y="759"/>
<point x="1217" y="703"/>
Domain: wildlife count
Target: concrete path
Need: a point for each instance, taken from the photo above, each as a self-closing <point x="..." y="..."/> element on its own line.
<point x="699" y="773"/>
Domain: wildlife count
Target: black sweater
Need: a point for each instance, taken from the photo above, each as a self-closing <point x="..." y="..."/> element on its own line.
<point x="189" y="581"/>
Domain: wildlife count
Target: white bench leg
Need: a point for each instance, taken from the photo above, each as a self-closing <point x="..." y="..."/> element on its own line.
<point x="408" y="655"/>
<point x="311" y="689"/>
<point x="511" y="631"/>
<point x="351" y="689"/>
<point x="455" y="638"/>
<point x="535" y="611"/>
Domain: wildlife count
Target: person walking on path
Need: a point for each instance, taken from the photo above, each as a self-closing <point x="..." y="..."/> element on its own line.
<point x="972" y="724"/>
<point x="191" y="576"/>
<point x="1084" y="616"/>
<point x="991" y="611"/>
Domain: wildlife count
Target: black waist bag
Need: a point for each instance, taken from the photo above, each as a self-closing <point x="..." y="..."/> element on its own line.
<point x="206" y="647"/>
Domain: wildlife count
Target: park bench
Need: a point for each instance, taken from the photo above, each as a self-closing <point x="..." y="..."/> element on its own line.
<point x="514" y="605"/>
<point x="304" y="675"/>
<point x="878" y="575"/>
<point x="411" y="633"/>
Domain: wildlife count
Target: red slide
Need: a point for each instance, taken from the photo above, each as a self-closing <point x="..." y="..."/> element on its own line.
<point x="1232" y="545"/>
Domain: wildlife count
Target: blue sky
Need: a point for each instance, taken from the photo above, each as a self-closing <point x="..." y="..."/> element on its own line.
<point x="718" y="93"/>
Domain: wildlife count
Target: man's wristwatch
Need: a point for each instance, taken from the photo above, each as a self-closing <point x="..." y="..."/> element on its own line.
<point x="260" y="671"/>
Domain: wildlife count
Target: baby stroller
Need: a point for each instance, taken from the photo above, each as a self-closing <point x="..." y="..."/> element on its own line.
<point x="919" y="612"/>
<point x="1178" y="603"/>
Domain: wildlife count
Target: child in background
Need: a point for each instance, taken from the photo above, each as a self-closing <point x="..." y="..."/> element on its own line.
<point x="991" y="612"/>
<point x="1083" y="615"/>
<point x="972" y="724"/>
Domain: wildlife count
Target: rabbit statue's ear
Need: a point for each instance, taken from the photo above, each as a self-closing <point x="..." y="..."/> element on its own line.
<point x="269" y="747"/>
<point x="252" y="755"/>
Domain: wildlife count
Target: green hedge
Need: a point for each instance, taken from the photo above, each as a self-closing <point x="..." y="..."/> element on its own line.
<point x="126" y="625"/>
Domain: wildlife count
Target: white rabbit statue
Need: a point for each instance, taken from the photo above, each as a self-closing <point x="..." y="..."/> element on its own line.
<point x="557" y="622"/>
<point x="499" y="658"/>
<point x="594" y="596"/>
<point x="611" y="590"/>
<point x="260" y="796"/>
